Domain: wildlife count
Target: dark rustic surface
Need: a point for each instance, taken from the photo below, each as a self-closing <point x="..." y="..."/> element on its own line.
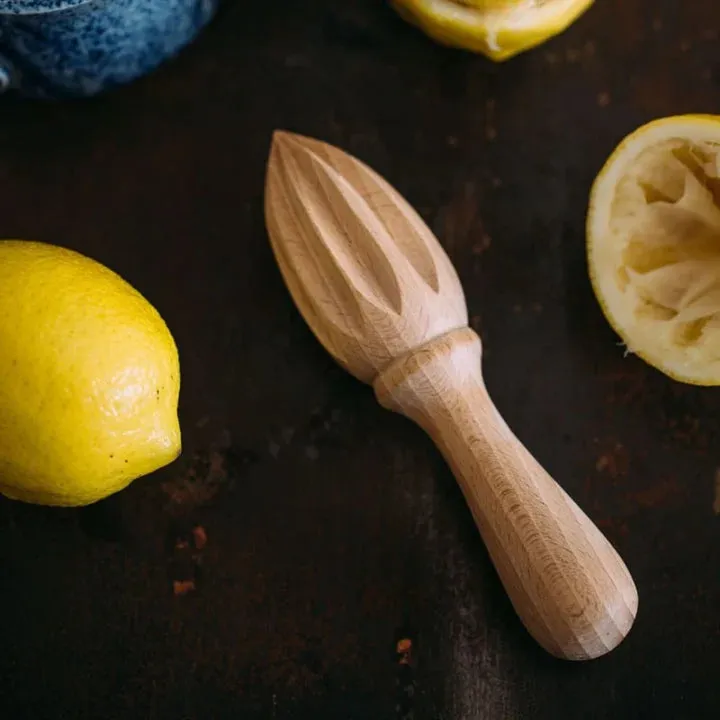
<point x="317" y="529"/>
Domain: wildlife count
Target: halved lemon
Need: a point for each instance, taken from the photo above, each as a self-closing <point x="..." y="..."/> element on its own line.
<point x="498" y="29"/>
<point x="653" y="243"/>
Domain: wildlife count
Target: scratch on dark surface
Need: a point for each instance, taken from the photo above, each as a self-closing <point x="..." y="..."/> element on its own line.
<point x="477" y="685"/>
<point x="716" y="503"/>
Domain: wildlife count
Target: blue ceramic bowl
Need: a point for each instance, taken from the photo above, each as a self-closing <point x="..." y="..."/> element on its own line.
<point x="75" y="48"/>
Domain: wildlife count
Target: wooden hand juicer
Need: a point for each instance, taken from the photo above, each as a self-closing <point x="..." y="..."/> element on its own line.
<point x="381" y="295"/>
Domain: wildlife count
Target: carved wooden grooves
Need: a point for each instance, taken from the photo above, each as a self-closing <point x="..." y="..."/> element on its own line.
<point x="381" y="295"/>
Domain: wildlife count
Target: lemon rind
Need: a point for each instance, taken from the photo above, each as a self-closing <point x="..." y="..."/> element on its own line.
<point x="499" y="35"/>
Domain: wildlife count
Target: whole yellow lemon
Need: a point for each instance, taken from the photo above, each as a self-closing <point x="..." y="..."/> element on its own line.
<point x="89" y="379"/>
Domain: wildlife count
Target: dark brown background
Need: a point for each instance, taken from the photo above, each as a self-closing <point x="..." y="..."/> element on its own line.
<point x="333" y="527"/>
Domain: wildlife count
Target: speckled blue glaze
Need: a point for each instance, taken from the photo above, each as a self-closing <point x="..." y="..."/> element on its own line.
<point x="75" y="48"/>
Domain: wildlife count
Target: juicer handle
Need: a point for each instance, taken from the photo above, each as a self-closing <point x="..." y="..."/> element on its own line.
<point x="567" y="583"/>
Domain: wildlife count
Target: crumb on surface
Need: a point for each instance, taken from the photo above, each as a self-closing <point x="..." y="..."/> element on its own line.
<point x="183" y="587"/>
<point x="404" y="649"/>
<point x="199" y="536"/>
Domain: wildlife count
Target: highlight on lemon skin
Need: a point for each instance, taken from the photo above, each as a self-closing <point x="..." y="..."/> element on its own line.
<point x="89" y="379"/>
<point x="653" y="245"/>
<point x="498" y="29"/>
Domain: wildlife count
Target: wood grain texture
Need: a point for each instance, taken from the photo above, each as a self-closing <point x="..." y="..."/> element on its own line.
<point x="379" y="292"/>
<point x="352" y="252"/>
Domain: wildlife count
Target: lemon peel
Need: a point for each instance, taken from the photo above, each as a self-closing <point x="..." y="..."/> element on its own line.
<point x="499" y="29"/>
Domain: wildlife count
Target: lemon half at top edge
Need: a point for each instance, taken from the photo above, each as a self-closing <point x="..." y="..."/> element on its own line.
<point x="498" y="30"/>
<point x="653" y="245"/>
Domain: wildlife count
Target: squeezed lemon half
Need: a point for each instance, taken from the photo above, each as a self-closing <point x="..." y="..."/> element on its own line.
<point x="498" y="29"/>
<point x="653" y="244"/>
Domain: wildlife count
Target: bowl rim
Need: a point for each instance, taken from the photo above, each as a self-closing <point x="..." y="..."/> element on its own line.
<point x="37" y="7"/>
